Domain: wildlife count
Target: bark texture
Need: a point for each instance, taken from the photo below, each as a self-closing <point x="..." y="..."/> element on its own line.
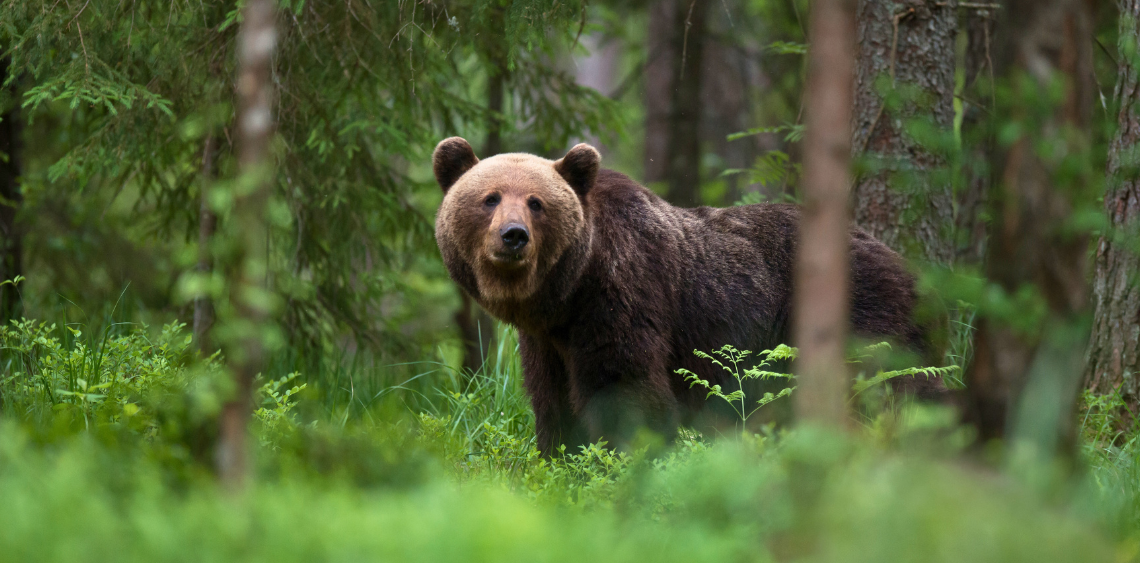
<point x="1041" y="42"/>
<point x="900" y="201"/>
<point x="249" y="301"/>
<point x="1114" y="347"/>
<point x="821" y="299"/>
<point x="11" y="239"/>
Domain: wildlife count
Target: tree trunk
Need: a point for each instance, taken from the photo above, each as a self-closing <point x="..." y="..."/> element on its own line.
<point x="821" y="292"/>
<point x="903" y="201"/>
<point x="970" y="225"/>
<point x="1036" y="363"/>
<point x="677" y="35"/>
<point x="11" y="239"/>
<point x="683" y="153"/>
<point x="1114" y="348"/>
<point x="250" y="301"/>
<point x="658" y="85"/>
<point x="207" y="224"/>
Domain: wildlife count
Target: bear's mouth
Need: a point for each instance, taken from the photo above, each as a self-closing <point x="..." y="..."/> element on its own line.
<point x="507" y="258"/>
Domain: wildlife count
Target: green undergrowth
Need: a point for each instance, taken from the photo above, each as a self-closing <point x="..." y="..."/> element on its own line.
<point x="107" y="440"/>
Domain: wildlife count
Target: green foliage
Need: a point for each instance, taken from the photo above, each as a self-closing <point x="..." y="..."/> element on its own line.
<point x="115" y="488"/>
<point x="729" y="359"/>
<point x="126" y="383"/>
<point x="732" y="361"/>
<point x="97" y="380"/>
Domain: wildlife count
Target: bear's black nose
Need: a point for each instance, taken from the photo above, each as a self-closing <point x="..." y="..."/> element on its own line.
<point x="514" y="236"/>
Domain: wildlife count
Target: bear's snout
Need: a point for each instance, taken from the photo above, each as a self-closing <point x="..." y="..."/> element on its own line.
<point x="515" y="236"/>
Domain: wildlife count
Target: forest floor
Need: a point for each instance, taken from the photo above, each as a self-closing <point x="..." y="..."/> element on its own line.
<point x="106" y="445"/>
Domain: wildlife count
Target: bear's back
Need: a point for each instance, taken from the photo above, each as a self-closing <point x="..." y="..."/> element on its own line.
<point x="712" y="275"/>
<point x="725" y="275"/>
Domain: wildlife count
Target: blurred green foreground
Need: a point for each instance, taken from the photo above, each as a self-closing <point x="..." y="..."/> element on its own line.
<point x="106" y="454"/>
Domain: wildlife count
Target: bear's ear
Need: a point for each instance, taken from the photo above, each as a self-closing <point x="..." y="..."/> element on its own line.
<point x="452" y="158"/>
<point x="580" y="168"/>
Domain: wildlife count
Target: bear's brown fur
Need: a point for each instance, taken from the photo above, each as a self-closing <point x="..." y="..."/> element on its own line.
<point x="611" y="288"/>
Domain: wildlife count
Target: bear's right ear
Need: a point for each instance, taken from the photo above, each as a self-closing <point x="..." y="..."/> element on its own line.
<point x="452" y="158"/>
<point x="580" y="168"/>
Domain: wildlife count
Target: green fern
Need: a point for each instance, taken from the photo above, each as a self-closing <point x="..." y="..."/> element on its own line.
<point x="730" y="360"/>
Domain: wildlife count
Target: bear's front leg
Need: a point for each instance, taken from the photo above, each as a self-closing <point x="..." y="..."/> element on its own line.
<point x="618" y="395"/>
<point x="547" y="384"/>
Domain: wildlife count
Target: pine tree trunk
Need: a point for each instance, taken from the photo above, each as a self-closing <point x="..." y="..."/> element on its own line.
<point x="821" y="295"/>
<point x="903" y="202"/>
<point x="1114" y="348"/>
<point x="1043" y="41"/>
<point x="969" y="223"/>
<point x="250" y="302"/>
<point x="11" y="239"/>
<point x="207" y="224"/>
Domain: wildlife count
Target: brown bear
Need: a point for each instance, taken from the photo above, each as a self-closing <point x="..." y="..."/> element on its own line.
<point x="612" y="289"/>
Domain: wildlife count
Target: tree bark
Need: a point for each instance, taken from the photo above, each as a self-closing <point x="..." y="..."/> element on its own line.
<point x="11" y="239"/>
<point x="821" y="292"/>
<point x="207" y="224"/>
<point x="250" y="301"/>
<point x="1114" y="347"/>
<point x="903" y="201"/>
<point x="1032" y="364"/>
<point x="970" y="225"/>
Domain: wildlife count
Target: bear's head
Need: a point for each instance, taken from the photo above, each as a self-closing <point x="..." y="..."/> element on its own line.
<point x="506" y="221"/>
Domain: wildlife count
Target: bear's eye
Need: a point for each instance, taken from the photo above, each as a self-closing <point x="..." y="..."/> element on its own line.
<point x="534" y="205"/>
<point x="492" y="200"/>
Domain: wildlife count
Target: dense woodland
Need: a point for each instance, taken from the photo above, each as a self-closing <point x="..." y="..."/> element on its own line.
<point x="226" y="331"/>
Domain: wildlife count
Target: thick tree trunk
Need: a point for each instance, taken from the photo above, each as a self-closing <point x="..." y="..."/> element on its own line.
<point x="11" y="239"/>
<point x="1114" y="348"/>
<point x="821" y="293"/>
<point x="903" y="201"/>
<point x="1041" y="41"/>
<point x="970" y="224"/>
<point x="207" y="224"/>
<point x="249" y="301"/>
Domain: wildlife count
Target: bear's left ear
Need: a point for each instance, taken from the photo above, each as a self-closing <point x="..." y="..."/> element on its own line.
<point x="452" y="158"/>
<point x="580" y="168"/>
